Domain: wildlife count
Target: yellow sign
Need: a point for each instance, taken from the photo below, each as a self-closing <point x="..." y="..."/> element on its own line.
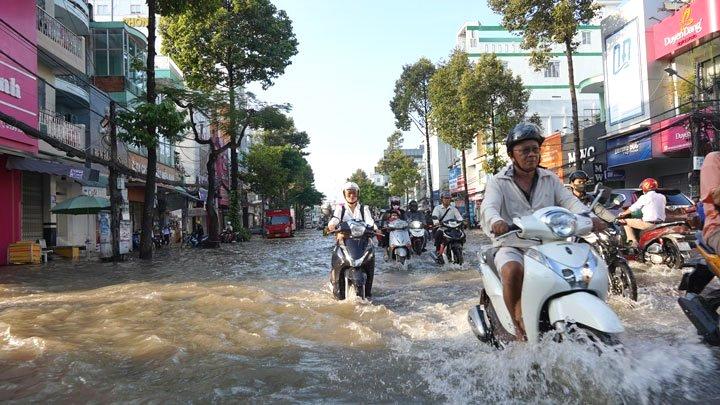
<point x="136" y="21"/>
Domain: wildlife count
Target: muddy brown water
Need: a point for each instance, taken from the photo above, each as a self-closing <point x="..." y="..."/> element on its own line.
<point x="256" y="321"/>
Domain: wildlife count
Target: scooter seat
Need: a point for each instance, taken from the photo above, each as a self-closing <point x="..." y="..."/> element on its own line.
<point x="664" y="224"/>
<point x="489" y="257"/>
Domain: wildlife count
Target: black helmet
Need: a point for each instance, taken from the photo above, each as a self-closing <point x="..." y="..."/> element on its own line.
<point x="394" y="200"/>
<point x="522" y="132"/>
<point x="413" y="205"/>
<point x="579" y="174"/>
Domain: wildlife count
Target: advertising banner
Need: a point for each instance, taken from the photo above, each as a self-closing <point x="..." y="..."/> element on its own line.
<point x="629" y="149"/>
<point x="671" y="139"/>
<point x="551" y="154"/>
<point x="623" y="74"/>
<point x="692" y="22"/>
<point x="18" y="84"/>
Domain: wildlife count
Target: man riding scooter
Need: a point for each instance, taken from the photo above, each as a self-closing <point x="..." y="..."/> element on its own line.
<point x="578" y="185"/>
<point x="441" y="213"/>
<point x="393" y="206"/>
<point x="651" y="204"/>
<point x="418" y="229"/>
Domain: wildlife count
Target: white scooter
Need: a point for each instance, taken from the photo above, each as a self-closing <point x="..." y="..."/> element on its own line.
<point x="565" y="284"/>
<point x="399" y="242"/>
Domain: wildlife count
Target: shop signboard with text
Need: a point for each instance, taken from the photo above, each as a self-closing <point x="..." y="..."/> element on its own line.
<point x="623" y="74"/>
<point x="674" y="34"/>
<point x="18" y="69"/>
<point x="629" y="149"/>
<point x="551" y="154"/>
<point x="671" y="138"/>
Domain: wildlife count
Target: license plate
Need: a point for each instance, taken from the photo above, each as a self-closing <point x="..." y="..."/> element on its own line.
<point x="684" y="246"/>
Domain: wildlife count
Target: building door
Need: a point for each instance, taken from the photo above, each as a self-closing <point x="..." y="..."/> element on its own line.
<point x="32" y="215"/>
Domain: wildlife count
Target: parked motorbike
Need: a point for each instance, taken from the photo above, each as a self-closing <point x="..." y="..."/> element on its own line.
<point x="353" y="260"/>
<point x="564" y="288"/>
<point x="157" y="239"/>
<point x="668" y="243"/>
<point x="398" y="241"/>
<point x="702" y="308"/>
<point x="228" y="236"/>
<point x="610" y="245"/>
<point x="194" y="240"/>
<point x="451" y="248"/>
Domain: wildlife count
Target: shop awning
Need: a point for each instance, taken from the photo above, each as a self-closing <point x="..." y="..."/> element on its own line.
<point x="83" y="204"/>
<point x="58" y="169"/>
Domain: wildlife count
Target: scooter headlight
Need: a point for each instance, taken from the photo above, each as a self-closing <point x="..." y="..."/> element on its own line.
<point x="416" y="224"/>
<point x="561" y="223"/>
<point x="357" y="230"/>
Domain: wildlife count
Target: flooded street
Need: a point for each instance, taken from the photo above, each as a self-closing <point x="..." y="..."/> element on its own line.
<point x="256" y="321"/>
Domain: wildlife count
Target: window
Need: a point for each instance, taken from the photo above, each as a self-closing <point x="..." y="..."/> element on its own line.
<point x="586" y="35"/>
<point x="706" y="73"/>
<point x="135" y="9"/>
<point x="102" y="9"/>
<point x="473" y="43"/>
<point x="553" y="69"/>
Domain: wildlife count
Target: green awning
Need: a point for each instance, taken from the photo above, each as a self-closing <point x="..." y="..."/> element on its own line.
<point x="80" y="205"/>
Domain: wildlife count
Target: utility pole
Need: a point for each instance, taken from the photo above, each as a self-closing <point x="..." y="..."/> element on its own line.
<point x="695" y="127"/>
<point x="115" y="196"/>
<point x="492" y="129"/>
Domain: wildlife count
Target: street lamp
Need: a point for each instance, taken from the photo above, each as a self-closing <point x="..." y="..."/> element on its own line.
<point x="672" y="72"/>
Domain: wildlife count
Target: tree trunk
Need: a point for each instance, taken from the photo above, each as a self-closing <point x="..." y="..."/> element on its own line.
<point x="427" y="157"/>
<point x="115" y="196"/>
<point x="494" y="144"/>
<point x="146" y="246"/>
<point x="213" y="222"/>
<point x="465" y="181"/>
<point x="573" y="100"/>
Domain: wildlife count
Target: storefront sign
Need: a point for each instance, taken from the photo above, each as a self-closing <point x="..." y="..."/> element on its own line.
<point x="672" y="138"/>
<point x="95" y="191"/>
<point x="692" y="22"/>
<point x="623" y="74"/>
<point x="629" y="149"/>
<point x="614" y="175"/>
<point x="551" y="154"/>
<point x="139" y="164"/>
<point x="18" y="67"/>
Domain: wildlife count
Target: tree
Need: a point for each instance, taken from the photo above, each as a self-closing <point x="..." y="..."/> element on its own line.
<point x="543" y="23"/>
<point x="370" y="194"/>
<point x="451" y="119"/>
<point x="411" y="103"/>
<point x="496" y="101"/>
<point x="285" y="134"/>
<point x="402" y="172"/>
<point x="228" y="44"/>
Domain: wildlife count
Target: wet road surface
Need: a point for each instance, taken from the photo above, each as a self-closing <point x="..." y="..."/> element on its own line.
<point x="256" y="321"/>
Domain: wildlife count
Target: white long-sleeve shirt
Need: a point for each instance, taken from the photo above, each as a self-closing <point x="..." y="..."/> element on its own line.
<point x="440" y="210"/>
<point x="652" y="204"/>
<point x="351" y="214"/>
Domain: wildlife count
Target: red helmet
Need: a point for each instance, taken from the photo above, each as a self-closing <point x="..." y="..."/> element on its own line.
<point x="649" y="184"/>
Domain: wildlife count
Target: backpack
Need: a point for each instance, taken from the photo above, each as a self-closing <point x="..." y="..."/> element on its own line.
<point x="362" y="212"/>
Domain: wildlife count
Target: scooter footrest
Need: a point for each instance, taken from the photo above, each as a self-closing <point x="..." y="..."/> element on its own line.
<point x="704" y="320"/>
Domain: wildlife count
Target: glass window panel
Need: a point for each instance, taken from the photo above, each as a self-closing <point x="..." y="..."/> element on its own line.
<point x="101" y="64"/>
<point x="100" y="39"/>
<point x="116" y="63"/>
<point x="115" y="41"/>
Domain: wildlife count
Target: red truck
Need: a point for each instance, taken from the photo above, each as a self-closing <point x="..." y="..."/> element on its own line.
<point x="279" y="223"/>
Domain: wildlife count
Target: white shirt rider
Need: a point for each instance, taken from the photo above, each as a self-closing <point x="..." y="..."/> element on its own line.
<point x="351" y="214"/>
<point x="440" y="210"/>
<point x="652" y="205"/>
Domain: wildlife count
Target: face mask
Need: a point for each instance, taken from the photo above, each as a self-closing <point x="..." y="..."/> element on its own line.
<point x="579" y="187"/>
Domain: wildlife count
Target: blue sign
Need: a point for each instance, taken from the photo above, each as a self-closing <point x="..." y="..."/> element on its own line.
<point x="629" y="149"/>
<point x="614" y="175"/>
<point x="453" y="175"/>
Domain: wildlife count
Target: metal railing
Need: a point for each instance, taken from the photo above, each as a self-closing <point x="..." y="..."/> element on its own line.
<point x="66" y="132"/>
<point x="58" y="33"/>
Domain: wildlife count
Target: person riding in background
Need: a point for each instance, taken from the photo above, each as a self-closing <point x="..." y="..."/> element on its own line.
<point x="651" y="204"/>
<point x="440" y="214"/>
<point x="578" y="184"/>
<point x="518" y="190"/>
<point x="412" y="213"/>
<point x="351" y="210"/>
<point x="710" y="197"/>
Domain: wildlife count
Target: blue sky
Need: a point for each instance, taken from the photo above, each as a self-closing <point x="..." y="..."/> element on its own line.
<point x="341" y="81"/>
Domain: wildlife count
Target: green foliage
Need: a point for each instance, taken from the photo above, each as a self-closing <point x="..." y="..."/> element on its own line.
<point x="164" y="116"/>
<point x="285" y="134"/>
<point x="234" y="215"/>
<point x="412" y="100"/>
<point x="495" y="101"/>
<point x="370" y="194"/>
<point x="249" y="40"/>
<point x="450" y="119"/>
<point x="543" y="23"/>
<point x="403" y="174"/>
<point x="242" y="234"/>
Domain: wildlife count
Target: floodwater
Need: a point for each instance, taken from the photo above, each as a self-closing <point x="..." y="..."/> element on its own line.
<point x="256" y="322"/>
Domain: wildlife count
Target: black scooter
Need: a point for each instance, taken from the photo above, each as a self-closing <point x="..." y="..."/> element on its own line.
<point x="353" y="260"/>
<point x="702" y="308"/>
<point x="453" y="240"/>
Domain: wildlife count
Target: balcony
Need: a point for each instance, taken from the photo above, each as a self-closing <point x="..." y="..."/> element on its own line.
<point x="74" y="14"/>
<point x="65" y="132"/>
<point x="60" y="45"/>
<point x="71" y="91"/>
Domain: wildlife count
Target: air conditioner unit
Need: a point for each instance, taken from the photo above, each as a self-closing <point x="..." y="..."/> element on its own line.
<point x="674" y="5"/>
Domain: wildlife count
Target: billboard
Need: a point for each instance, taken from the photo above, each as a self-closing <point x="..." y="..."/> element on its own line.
<point x="18" y="69"/>
<point x="623" y="75"/>
<point x="693" y="22"/>
<point x="629" y="149"/>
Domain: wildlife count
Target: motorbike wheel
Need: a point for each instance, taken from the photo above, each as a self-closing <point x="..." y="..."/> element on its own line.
<point x="622" y="281"/>
<point x="417" y="247"/>
<point x="401" y="259"/>
<point x="457" y="255"/>
<point x="674" y="258"/>
<point x="599" y="341"/>
<point x="360" y="291"/>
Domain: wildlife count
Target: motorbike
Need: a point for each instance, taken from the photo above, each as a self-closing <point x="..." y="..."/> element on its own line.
<point x="668" y="243"/>
<point x="228" y="236"/>
<point x="702" y="308"/>
<point x="451" y="248"/>
<point x="399" y="241"/>
<point x="353" y="260"/>
<point x="193" y="240"/>
<point x="564" y="288"/>
<point x="418" y="236"/>
<point x="610" y="245"/>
